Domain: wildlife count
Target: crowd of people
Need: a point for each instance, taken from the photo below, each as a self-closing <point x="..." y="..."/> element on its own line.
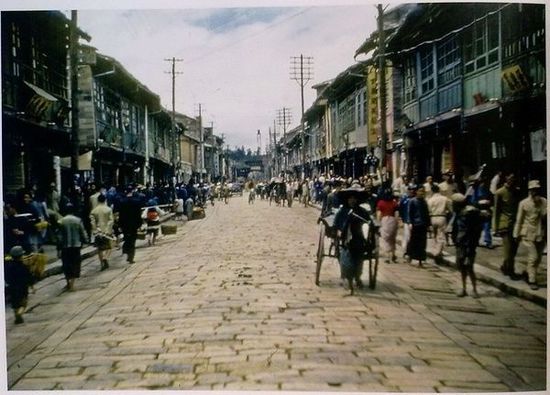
<point x="104" y="215"/>
<point x="466" y="214"/>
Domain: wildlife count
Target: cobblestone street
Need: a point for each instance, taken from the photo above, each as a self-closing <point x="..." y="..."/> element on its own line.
<point x="229" y="303"/>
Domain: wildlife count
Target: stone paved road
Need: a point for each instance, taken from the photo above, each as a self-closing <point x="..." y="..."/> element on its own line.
<point x="229" y="303"/>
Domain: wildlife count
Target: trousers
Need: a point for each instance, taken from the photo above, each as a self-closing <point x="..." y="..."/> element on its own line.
<point x="534" y="255"/>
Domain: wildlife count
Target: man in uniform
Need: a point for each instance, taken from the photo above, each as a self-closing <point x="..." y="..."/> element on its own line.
<point x="530" y="229"/>
<point x="504" y="215"/>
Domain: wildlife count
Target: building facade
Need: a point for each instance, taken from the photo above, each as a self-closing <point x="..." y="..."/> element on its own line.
<point x="36" y="98"/>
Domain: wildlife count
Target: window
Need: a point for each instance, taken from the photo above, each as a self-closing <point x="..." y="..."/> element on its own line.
<point x="134" y="120"/>
<point x="409" y="80"/>
<point x="361" y="104"/>
<point x="448" y="61"/>
<point x="346" y="113"/>
<point x="481" y="44"/>
<point x="15" y="47"/>
<point x="426" y="70"/>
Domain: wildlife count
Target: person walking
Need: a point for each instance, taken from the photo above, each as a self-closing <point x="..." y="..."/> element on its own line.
<point x="439" y="207"/>
<point x="102" y="221"/>
<point x="504" y="216"/>
<point x="16" y="228"/>
<point x="72" y="235"/>
<point x="348" y="222"/>
<point x="18" y="279"/>
<point x="479" y="195"/>
<point x="428" y="187"/>
<point x="404" y="214"/>
<point x="419" y="217"/>
<point x="386" y="210"/>
<point x="466" y="232"/>
<point x="447" y="187"/>
<point x="130" y="221"/>
<point x="530" y="229"/>
<point x="27" y="209"/>
<point x="152" y="215"/>
<point x="305" y="192"/>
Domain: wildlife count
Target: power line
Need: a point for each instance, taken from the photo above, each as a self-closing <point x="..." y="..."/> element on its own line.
<point x="216" y="51"/>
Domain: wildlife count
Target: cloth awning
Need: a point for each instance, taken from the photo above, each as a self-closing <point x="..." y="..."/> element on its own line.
<point x="41" y="92"/>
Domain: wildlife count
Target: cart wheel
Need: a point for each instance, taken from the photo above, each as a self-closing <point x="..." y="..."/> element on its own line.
<point x="320" y="254"/>
<point x="373" y="269"/>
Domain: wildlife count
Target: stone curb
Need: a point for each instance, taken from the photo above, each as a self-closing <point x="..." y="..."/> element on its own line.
<point x="498" y="280"/>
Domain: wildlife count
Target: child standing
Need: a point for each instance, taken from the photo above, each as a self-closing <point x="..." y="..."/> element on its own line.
<point x="152" y="215"/>
<point x="19" y="279"/>
<point x="467" y="227"/>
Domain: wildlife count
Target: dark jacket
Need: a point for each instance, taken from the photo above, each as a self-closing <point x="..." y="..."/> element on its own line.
<point x="130" y="215"/>
<point x="467" y="227"/>
<point x="19" y="278"/>
<point x="418" y="213"/>
<point x="347" y="220"/>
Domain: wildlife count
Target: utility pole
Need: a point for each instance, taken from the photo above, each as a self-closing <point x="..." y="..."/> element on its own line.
<point x="271" y="156"/>
<point x="73" y="53"/>
<point x="173" y="137"/>
<point x="284" y="118"/>
<point x="277" y="162"/>
<point x="382" y="86"/>
<point x="302" y="73"/>
<point x="201" y="143"/>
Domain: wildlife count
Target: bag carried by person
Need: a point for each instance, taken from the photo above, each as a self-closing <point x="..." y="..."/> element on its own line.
<point x="36" y="263"/>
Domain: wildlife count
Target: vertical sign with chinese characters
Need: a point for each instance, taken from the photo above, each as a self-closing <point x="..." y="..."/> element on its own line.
<point x="372" y="97"/>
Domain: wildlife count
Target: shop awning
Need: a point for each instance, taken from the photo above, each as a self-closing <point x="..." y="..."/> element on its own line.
<point x="41" y="92"/>
<point x="481" y="109"/>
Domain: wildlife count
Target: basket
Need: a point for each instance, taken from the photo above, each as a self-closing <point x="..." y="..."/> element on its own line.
<point x="198" y="213"/>
<point x="169" y="229"/>
<point x="36" y="263"/>
<point x="141" y="235"/>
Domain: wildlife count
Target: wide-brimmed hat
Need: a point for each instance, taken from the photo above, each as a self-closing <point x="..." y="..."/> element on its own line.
<point x="17" y="251"/>
<point x="354" y="190"/>
<point x="533" y="184"/>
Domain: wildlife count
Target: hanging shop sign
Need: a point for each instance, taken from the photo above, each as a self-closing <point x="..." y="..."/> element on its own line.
<point x="538" y="145"/>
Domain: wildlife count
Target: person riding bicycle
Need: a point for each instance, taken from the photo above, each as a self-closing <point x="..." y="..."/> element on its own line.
<point x="353" y="243"/>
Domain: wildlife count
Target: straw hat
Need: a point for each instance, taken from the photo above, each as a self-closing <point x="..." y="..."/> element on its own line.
<point x="354" y="190"/>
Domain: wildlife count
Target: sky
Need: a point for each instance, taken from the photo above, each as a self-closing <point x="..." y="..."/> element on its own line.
<point x="236" y="60"/>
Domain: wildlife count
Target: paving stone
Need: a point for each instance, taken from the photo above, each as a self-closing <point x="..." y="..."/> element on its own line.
<point x="57" y="372"/>
<point x="468" y="386"/>
<point x="31" y="384"/>
<point x="533" y="376"/>
<point x="450" y="373"/>
<point x="164" y="325"/>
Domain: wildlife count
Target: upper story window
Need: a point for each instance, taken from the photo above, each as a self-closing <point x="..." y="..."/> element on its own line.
<point x="134" y="119"/>
<point x="99" y="96"/>
<point x="481" y="44"/>
<point x="346" y="112"/>
<point x="15" y="49"/>
<point x="409" y="80"/>
<point x="427" y="75"/>
<point x="448" y="61"/>
<point x="361" y="108"/>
